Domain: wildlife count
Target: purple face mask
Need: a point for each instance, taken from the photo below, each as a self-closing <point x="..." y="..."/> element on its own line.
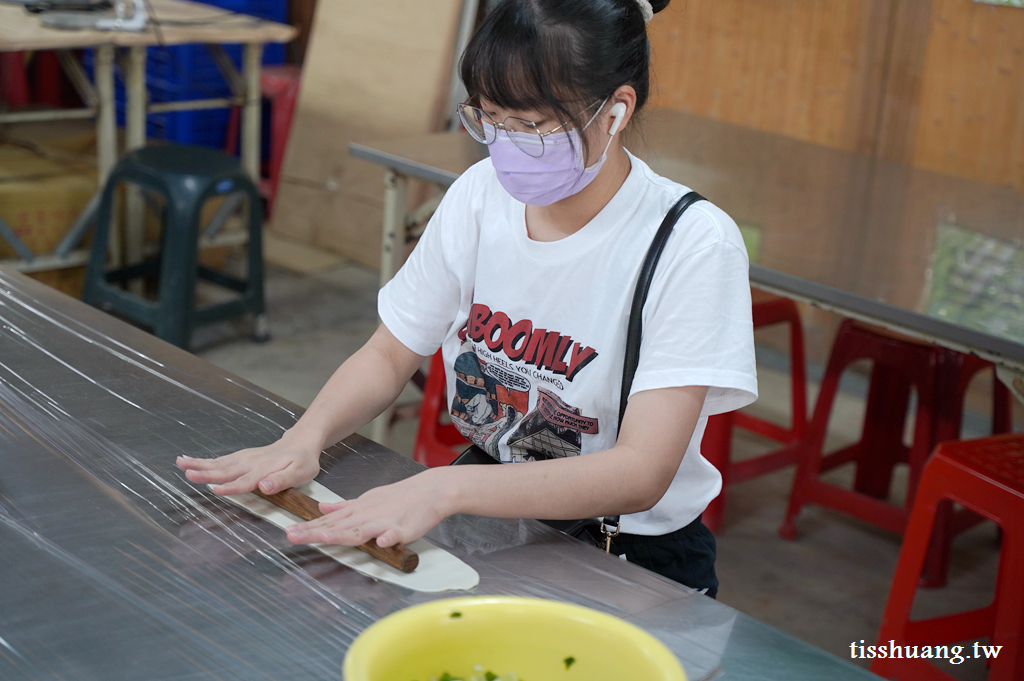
<point x="553" y="176"/>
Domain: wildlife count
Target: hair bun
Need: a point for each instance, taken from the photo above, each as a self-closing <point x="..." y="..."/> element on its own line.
<point x="648" y="8"/>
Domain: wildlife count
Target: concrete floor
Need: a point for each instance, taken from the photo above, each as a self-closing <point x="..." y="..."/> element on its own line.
<point x="829" y="587"/>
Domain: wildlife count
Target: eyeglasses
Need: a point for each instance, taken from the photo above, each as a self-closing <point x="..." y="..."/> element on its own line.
<point x="524" y="134"/>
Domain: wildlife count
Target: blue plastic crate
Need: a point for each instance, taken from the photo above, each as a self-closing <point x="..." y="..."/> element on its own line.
<point x="183" y="72"/>
<point x="186" y="72"/>
<point x="271" y="10"/>
<point x="206" y="128"/>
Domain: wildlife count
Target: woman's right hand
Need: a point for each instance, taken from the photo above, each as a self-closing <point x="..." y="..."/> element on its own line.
<point x="291" y="461"/>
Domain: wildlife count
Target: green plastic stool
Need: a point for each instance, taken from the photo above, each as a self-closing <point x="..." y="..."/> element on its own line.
<point x="187" y="177"/>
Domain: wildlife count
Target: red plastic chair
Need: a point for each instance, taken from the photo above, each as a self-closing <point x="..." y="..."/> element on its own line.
<point x="986" y="476"/>
<point x="279" y="84"/>
<point x="435" y="439"/>
<point x="940" y="377"/>
<point x="14" y="90"/>
<point x="46" y="79"/>
<point x="716" y="446"/>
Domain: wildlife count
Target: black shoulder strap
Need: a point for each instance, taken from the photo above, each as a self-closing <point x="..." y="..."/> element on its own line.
<point x="643" y="285"/>
<point x="610" y="524"/>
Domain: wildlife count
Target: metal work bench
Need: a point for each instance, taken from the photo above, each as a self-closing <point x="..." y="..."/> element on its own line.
<point x="115" y="567"/>
<point x="180" y="22"/>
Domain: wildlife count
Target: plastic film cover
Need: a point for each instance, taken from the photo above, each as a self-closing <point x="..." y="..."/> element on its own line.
<point x="114" y="566"/>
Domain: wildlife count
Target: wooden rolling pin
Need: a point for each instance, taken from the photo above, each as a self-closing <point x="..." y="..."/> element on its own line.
<point x="308" y="508"/>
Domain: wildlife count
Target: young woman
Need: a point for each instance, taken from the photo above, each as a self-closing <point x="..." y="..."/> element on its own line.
<point x="524" y="277"/>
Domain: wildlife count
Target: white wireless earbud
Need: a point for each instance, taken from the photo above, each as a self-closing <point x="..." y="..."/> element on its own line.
<point x="618" y="111"/>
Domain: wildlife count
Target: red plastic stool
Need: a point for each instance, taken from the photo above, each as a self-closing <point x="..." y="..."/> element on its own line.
<point x="46" y="79"/>
<point x="434" y="439"/>
<point x="279" y="84"/>
<point x="14" y="89"/>
<point x="986" y="476"/>
<point x="940" y="377"/>
<point x="716" y="446"/>
<point x="950" y="523"/>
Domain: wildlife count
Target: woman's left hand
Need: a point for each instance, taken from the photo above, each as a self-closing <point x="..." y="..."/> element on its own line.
<point x="393" y="514"/>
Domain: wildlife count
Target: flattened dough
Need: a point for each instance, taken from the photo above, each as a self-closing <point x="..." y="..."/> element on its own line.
<point x="438" y="570"/>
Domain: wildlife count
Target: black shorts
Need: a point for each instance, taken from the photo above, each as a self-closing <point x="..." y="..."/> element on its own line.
<point x="686" y="556"/>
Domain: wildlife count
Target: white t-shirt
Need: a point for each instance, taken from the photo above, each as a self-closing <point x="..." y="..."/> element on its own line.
<point x="533" y="333"/>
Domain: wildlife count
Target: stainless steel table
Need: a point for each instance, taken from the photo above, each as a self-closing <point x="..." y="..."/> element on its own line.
<point x="113" y="566"/>
<point x="867" y="238"/>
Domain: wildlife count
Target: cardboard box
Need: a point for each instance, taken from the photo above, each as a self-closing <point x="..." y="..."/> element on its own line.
<point x="40" y="198"/>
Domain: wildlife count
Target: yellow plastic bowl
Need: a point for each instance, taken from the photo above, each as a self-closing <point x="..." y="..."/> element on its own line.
<point x="532" y="637"/>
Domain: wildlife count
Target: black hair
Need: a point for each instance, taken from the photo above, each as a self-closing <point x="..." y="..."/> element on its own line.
<point x="559" y="56"/>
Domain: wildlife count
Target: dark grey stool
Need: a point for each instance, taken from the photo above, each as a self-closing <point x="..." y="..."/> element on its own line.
<point x="186" y="177"/>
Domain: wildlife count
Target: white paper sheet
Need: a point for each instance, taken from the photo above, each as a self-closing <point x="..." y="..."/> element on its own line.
<point x="438" y="570"/>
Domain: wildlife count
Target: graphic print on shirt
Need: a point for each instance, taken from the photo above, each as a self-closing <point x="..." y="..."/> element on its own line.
<point x="521" y="342"/>
<point x="552" y="430"/>
<point x="489" y="400"/>
<point x="492" y="395"/>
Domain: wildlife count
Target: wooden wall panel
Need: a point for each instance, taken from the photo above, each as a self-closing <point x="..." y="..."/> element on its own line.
<point x="809" y="69"/>
<point x="902" y="77"/>
<point x="972" y="101"/>
<point x="938" y="84"/>
<point x="373" y="70"/>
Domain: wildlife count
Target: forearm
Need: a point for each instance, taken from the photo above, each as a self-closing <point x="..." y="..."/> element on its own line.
<point x="628" y="478"/>
<point x="596" y="484"/>
<point x="609" y="482"/>
<point x="360" y="389"/>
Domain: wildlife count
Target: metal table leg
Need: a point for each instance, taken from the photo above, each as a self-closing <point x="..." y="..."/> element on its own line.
<point x="251" y="65"/>
<point x="135" y="137"/>
<point x="393" y="236"/>
<point x="392" y="243"/>
<point x="106" y="128"/>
